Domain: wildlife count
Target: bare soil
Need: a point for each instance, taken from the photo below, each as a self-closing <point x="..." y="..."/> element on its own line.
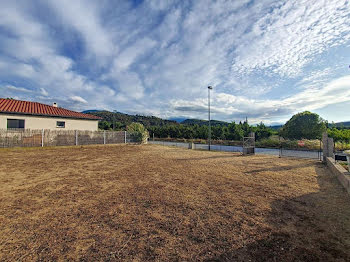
<point x="154" y="203"/>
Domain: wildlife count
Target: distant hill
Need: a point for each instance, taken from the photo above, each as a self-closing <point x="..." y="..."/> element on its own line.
<point x="123" y="120"/>
<point x="126" y="119"/>
<point x="90" y="111"/>
<point x="276" y="127"/>
<point x="203" y="122"/>
<point x="178" y="119"/>
<point x="341" y="124"/>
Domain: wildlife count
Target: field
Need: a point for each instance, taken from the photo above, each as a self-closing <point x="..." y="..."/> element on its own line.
<point x="146" y="203"/>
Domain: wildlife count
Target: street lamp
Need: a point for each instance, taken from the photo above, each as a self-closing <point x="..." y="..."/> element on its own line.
<point x="114" y="111"/>
<point x="209" y="132"/>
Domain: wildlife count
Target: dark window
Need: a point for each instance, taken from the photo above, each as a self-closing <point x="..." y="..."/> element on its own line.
<point x="15" y="123"/>
<point x="61" y="124"/>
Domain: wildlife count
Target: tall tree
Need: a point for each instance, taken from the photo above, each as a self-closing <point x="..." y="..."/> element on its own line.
<point x="304" y="125"/>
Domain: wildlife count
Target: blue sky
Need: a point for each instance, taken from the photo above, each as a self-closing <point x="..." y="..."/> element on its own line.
<point x="265" y="59"/>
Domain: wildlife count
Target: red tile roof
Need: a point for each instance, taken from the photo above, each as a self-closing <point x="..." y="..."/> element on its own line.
<point x="34" y="108"/>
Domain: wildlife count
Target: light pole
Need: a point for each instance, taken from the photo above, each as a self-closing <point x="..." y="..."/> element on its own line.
<point x="209" y="132"/>
<point x="114" y="122"/>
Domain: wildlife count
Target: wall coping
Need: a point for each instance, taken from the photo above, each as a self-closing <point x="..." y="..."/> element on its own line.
<point x="342" y="175"/>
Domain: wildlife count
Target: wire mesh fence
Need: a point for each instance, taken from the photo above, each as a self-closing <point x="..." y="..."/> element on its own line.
<point x="302" y="148"/>
<point x="199" y="146"/>
<point x="282" y="151"/>
<point x="41" y="138"/>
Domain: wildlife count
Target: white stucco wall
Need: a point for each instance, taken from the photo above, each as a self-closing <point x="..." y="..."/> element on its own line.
<point x="38" y="122"/>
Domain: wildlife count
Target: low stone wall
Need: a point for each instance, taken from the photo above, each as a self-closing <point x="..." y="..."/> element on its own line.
<point x="337" y="170"/>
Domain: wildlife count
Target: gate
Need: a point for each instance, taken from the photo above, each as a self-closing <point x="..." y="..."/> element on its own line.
<point x="249" y="144"/>
<point x="301" y="148"/>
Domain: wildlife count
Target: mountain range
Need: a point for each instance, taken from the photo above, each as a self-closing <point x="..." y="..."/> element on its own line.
<point x="147" y="121"/>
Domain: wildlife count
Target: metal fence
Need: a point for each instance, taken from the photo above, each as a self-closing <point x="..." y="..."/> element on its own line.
<point x="199" y="146"/>
<point x="299" y="148"/>
<point x="281" y="152"/>
<point x="41" y="138"/>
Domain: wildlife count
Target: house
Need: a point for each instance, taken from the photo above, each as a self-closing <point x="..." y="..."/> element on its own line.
<point x="32" y="115"/>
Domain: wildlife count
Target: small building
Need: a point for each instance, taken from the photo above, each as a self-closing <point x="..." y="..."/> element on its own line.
<point x="32" y="115"/>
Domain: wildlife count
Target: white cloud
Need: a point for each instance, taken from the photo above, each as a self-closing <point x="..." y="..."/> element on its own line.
<point x="78" y="99"/>
<point x="336" y="91"/>
<point x="130" y="54"/>
<point x="43" y="92"/>
<point x="83" y="16"/>
<point x="130" y="85"/>
<point x="18" y="89"/>
<point x="288" y="38"/>
<point x="232" y="107"/>
<point x="160" y="4"/>
<point x="158" y="57"/>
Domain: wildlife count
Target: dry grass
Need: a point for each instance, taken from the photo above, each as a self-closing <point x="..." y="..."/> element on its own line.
<point x="139" y="203"/>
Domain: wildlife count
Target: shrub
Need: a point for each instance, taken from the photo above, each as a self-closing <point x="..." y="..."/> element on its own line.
<point x="138" y="132"/>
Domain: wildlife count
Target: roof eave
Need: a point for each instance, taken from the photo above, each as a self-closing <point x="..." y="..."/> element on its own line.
<point x="43" y="115"/>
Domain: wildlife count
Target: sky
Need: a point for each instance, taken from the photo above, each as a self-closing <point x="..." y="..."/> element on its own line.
<point x="265" y="59"/>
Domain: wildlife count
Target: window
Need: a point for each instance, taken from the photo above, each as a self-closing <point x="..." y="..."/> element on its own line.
<point x="15" y="123"/>
<point x="61" y="124"/>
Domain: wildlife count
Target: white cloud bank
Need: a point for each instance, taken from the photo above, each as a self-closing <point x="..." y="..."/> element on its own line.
<point x="159" y="56"/>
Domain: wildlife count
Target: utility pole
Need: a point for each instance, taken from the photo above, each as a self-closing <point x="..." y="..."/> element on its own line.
<point x="114" y="111"/>
<point x="209" y="131"/>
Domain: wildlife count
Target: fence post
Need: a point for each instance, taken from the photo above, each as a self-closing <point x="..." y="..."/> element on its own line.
<point x="104" y="137"/>
<point x="325" y="146"/>
<point x="124" y="137"/>
<point x="76" y="137"/>
<point x="42" y="138"/>
<point x="320" y="151"/>
<point x="280" y="147"/>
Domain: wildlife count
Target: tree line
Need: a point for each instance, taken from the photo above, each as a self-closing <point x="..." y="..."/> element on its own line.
<point x="304" y="125"/>
<point x="311" y="126"/>
<point x="232" y="131"/>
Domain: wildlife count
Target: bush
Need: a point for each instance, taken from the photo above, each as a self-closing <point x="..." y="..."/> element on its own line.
<point x="305" y="125"/>
<point x="138" y="132"/>
<point x="339" y="134"/>
<point x="268" y="142"/>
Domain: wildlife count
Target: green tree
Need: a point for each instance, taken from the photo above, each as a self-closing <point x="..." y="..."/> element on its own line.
<point x="104" y="125"/>
<point x="304" y="125"/>
<point x="246" y="128"/>
<point x="339" y="135"/>
<point x="235" y="132"/>
<point x="262" y="131"/>
<point x="138" y="132"/>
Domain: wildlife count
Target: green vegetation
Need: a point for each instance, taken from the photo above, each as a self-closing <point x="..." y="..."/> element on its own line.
<point x="138" y="132"/>
<point x="188" y="129"/>
<point x="231" y="131"/>
<point x="339" y="134"/>
<point x="203" y="122"/>
<point x="340" y="125"/>
<point x="120" y="121"/>
<point x="304" y="125"/>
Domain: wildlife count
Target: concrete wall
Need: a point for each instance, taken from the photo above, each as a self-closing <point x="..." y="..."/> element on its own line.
<point x="38" y="122"/>
<point x="328" y="146"/>
<point x="337" y="170"/>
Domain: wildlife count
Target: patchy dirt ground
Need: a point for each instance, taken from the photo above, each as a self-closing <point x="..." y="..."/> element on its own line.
<point x="140" y="203"/>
